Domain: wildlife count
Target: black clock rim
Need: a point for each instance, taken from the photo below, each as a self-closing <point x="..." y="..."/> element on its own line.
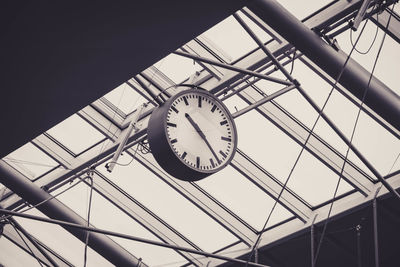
<point x="157" y="141"/>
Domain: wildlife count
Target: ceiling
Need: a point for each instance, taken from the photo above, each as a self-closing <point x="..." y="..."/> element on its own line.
<point x="57" y="58"/>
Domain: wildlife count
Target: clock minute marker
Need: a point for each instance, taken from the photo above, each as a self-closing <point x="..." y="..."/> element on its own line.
<point x="186" y="101"/>
<point x="226" y="138"/>
<point x="174" y="109"/>
<point x="222" y="153"/>
<point x="212" y="163"/>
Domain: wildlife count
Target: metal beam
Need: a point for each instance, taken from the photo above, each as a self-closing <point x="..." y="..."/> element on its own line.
<point x="355" y="78"/>
<point x="270" y="185"/>
<point x="82" y="228"/>
<point x="233" y="68"/>
<point x="56" y="210"/>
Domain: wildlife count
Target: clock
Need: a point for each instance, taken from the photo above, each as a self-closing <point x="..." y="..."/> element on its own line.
<point x="192" y="135"/>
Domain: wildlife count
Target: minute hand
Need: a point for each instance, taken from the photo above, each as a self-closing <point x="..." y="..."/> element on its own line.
<point x="202" y="135"/>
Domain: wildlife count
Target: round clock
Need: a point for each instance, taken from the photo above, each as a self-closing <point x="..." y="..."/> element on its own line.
<point x="192" y="135"/>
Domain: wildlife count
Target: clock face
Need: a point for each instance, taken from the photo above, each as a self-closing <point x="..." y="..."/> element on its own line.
<point x="200" y="131"/>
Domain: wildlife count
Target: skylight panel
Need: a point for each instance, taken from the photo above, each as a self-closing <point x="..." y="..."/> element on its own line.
<point x="61" y="241"/>
<point x="229" y="32"/>
<point x="76" y="134"/>
<point x="314" y="182"/>
<point x="266" y="144"/>
<point x="244" y="198"/>
<point x="30" y="161"/>
<point x="104" y="215"/>
<point x="172" y="207"/>
<point x="125" y="98"/>
<point x="12" y="255"/>
<point x="301" y="9"/>
<point x="177" y="68"/>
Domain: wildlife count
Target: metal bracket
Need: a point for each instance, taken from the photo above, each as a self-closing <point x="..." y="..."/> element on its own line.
<point x="133" y="126"/>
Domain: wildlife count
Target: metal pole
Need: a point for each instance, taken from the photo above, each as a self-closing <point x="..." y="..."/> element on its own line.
<point x="231" y="67"/>
<point x="29" y="237"/>
<point x="263" y="101"/>
<point x="53" y="208"/>
<point x="132" y="127"/>
<point x="375" y="218"/>
<point x="148" y="90"/>
<point x="355" y="78"/>
<point x="312" y="233"/>
<point x="69" y="225"/>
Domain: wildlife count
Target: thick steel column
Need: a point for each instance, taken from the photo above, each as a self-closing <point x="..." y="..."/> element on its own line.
<point x="57" y="210"/>
<point x="355" y="78"/>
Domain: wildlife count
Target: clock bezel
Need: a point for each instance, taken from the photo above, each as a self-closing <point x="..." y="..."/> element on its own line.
<point x="161" y="146"/>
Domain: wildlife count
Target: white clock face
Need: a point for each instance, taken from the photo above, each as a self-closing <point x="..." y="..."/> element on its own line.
<point x="200" y="131"/>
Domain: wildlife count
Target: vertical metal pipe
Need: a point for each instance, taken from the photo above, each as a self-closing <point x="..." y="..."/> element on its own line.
<point x="375" y="218"/>
<point x="54" y="209"/>
<point x="355" y="78"/>
<point x="312" y="245"/>
<point x="358" y="233"/>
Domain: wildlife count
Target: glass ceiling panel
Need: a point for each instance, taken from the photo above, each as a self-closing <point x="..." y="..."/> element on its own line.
<point x="172" y="207"/>
<point x="266" y="144"/>
<point x="177" y="68"/>
<point x="30" y="161"/>
<point x="124" y="98"/>
<point x="314" y="182"/>
<point x="105" y="215"/>
<point x="12" y="255"/>
<point x="301" y="9"/>
<point x="376" y="144"/>
<point x="76" y="134"/>
<point x="244" y="198"/>
<point x="61" y="241"/>
<point x="229" y="32"/>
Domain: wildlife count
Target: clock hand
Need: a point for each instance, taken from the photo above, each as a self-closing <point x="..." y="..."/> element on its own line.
<point x="197" y="128"/>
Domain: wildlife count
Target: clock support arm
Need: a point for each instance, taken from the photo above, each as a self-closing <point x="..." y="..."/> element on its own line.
<point x="132" y="127"/>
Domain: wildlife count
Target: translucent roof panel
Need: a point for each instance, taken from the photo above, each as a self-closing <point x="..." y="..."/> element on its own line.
<point x="177" y="68"/>
<point x="263" y="142"/>
<point x="229" y="32"/>
<point x="310" y="175"/>
<point x="124" y="98"/>
<point x="301" y="9"/>
<point x="30" y="161"/>
<point x="12" y="255"/>
<point x="61" y="241"/>
<point x="243" y="198"/>
<point x="172" y="207"/>
<point x="105" y="215"/>
<point x="76" y="134"/>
